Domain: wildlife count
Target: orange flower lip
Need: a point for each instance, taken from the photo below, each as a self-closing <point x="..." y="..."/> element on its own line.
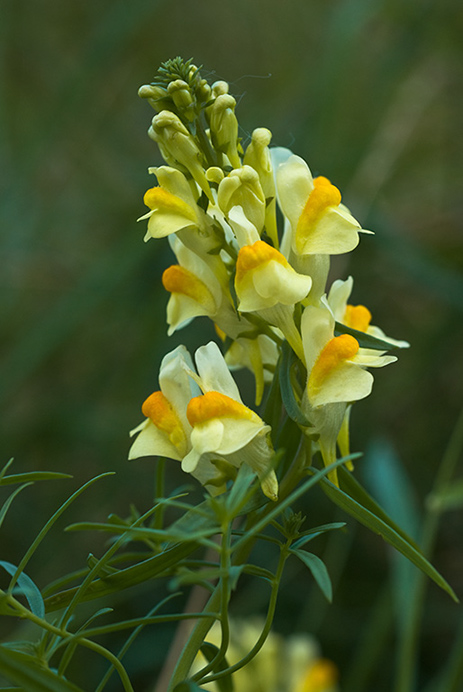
<point x="217" y="405"/>
<point x="357" y="317"/>
<point x="177" y="279"/>
<point x="335" y="353"/>
<point x="160" y="412"/>
<point x="252" y="256"/>
<point x="323" y="196"/>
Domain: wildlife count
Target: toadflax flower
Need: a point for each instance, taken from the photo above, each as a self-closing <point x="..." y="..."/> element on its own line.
<point x="336" y="376"/>
<point x="266" y="283"/>
<point x="320" y="224"/>
<point x="355" y="316"/>
<point x="213" y="433"/>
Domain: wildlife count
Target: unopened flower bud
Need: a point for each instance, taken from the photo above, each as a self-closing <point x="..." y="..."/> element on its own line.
<point x="203" y="91"/>
<point x="219" y="88"/>
<point x="156" y="96"/>
<point x="242" y="188"/>
<point x="181" y="96"/>
<point x="224" y="127"/>
<point x="215" y="174"/>
<point x="173" y="137"/>
<point x="258" y="156"/>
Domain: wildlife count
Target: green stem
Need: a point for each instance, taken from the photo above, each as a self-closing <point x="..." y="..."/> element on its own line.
<point x="195" y="640"/>
<point x="284" y="554"/>
<point x="225" y="565"/>
<point x="69" y="637"/>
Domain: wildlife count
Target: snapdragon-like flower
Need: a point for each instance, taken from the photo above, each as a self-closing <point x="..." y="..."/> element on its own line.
<point x="355" y="316"/>
<point x="222" y="425"/>
<point x="242" y="188"/>
<point x="195" y="287"/>
<point x="319" y="223"/>
<point x="212" y="433"/>
<point x="267" y="284"/>
<point x="337" y="376"/>
<point x="172" y="204"/>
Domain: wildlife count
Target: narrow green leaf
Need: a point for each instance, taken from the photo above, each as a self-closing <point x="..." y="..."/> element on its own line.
<point x="7" y="504"/>
<point x="319" y="571"/>
<point x="43" y="532"/>
<point x="399" y="541"/>
<point x="210" y="651"/>
<point x="364" y="340"/>
<point x="124" y="578"/>
<point x="353" y="488"/>
<point x="309" y="535"/>
<point x="25" y="671"/>
<point x="28" y="589"/>
<point x="287" y="394"/>
<point x="32" y="477"/>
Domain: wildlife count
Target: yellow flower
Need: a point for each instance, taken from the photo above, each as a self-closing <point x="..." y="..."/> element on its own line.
<point x="266" y="283"/>
<point x="212" y="434"/>
<point x="336" y="376"/>
<point x="355" y="316"/>
<point x="223" y="426"/>
<point x="172" y="204"/>
<point x="291" y="664"/>
<point x="319" y="223"/>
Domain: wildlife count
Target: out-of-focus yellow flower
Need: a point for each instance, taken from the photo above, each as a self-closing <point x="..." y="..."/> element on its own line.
<point x="291" y="664"/>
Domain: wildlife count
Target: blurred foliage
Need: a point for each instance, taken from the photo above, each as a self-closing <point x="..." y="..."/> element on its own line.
<point x="371" y="95"/>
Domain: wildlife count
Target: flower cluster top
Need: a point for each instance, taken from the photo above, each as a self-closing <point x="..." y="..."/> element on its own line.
<point x="252" y="232"/>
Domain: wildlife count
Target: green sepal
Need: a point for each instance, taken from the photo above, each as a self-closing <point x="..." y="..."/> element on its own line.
<point x="385" y="528"/>
<point x="364" y="340"/>
<point x="318" y="570"/>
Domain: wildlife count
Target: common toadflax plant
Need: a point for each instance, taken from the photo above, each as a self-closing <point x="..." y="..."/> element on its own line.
<point x="252" y="232"/>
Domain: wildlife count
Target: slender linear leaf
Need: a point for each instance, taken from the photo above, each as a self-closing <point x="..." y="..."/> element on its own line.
<point x="287" y="394"/>
<point x="26" y="672"/>
<point x="376" y="524"/>
<point x="319" y="571"/>
<point x="7" y="504"/>
<point x="353" y="488"/>
<point x="210" y="651"/>
<point x="364" y="340"/>
<point x="33" y="477"/>
<point x="317" y="531"/>
<point x="28" y="589"/>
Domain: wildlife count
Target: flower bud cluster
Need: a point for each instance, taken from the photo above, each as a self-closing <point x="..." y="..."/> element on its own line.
<point x="260" y="277"/>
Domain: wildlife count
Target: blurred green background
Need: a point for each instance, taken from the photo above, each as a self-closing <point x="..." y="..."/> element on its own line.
<point x="370" y="94"/>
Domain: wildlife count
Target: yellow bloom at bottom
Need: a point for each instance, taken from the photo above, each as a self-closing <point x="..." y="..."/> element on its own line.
<point x="321" y="676"/>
